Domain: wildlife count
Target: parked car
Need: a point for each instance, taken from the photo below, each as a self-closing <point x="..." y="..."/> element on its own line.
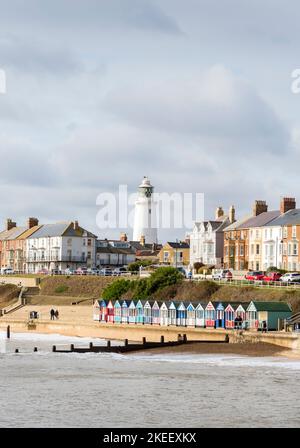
<point x="290" y="277"/>
<point x="7" y="271"/>
<point x="272" y="277"/>
<point x="69" y="271"/>
<point x="106" y="271"/>
<point x="43" y="271"/>
<point x="220" y="274"/>
<point x="55" y="272"/>
<point x="92" y="271"/>
<point x="254" y="275"/>
<point x="81" y="271"/>
<point x="119" y="271"/>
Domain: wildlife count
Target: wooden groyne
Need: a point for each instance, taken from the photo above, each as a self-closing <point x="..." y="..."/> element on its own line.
<point x="126" y="348"/>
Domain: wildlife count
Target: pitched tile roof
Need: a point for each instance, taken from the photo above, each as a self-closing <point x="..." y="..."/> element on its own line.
<point x="292" y="217"/>
<point x="179" y="245"/>
<point x="260" y="220"/>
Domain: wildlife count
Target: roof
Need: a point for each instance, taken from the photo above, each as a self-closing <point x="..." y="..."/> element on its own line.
<point x="216" y="225"/>
<point x="237" y="223"/>
<point x="28" y="233"/>
<point x="12" y="234"/>
<point x="272" y="306"/>
<point x="261" y="220"/>
<point x="291" y="217"/>
<point x="145" y="247"/>
<point x="180" y="245"/>
<point x="60" y="229"/>
<point x="115" y="250"/>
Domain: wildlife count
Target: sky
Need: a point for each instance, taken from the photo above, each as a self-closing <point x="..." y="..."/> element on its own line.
<point x="194" y="94"/>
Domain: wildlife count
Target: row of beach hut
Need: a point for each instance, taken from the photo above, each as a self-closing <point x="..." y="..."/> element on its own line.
<point x="251" y="315"/>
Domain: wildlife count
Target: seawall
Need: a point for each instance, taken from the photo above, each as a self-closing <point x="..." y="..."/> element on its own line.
<point x="152" y="333"/>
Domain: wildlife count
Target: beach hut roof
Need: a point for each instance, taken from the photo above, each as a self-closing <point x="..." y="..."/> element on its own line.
<point x="270" y="306"/>
<point x="210" y="306"/>
<point x="190" y="306"/>
<point x="126" y="303"/>
<point x="200" y="306"/>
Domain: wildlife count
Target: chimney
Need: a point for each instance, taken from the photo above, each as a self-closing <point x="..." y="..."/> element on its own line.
<point x="123" y="237"/>
<point x="219" y="213"/>
<point x="259" y="207"/>
<point x="76" y="225"/>
<point x="10" y="224"/>
<point x="31" y="222"/>
<point x="142" y="240"/>
<point x="287" y="204"/>
<point x="232" y="214"/>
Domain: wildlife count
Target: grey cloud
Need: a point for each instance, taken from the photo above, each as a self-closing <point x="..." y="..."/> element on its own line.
<point x="140" y="14"/>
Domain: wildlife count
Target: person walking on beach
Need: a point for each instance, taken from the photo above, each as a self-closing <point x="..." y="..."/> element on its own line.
<point x="56" y="314"/>
<point x="52" y="313"/>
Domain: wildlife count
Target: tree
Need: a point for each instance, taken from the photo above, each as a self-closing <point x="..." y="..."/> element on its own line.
<point x="135" y="266"/>
<point x="116" y="289"/>
<point x="197" y="266"/>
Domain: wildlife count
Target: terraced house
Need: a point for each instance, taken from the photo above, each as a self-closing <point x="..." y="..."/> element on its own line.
<point x="60" y="246"/>
<point x="286" y="241"/>
<point x="207" y="239"/>
<point x="13" y="244"/>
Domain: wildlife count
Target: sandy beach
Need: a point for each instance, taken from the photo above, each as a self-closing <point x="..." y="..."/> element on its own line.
<point x="256" y="350"/>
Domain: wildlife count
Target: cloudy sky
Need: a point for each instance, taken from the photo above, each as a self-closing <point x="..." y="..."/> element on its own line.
<point x="195" y="94"/>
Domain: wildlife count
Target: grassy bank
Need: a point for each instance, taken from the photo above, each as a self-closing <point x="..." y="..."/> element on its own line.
<point x="74" y="286"/>
<point x="206" y="290"/>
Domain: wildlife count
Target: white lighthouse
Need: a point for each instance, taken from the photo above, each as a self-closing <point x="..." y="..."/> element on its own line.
<point x="145" y="226"/>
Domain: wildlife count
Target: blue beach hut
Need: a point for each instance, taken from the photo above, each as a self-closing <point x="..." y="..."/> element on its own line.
<point x="125" y="311"/>
<point x="220" y="315"/>
<point x="139" y="312"/>
<point x="117" y="312"/>
<point x="181" y="315"/>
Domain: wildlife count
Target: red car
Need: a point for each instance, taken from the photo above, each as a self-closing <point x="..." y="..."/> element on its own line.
<point x="272" y="277"/>
<point x="254" y="275"/>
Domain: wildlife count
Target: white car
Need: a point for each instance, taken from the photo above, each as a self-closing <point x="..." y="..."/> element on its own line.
<point x="290" y="277"/>
<point x="7" y="271"/>
<point x="220" y="274"/>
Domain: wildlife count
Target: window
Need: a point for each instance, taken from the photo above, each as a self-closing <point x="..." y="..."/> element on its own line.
<point x="285" y="232"/>
<point x="166" y="256"/>
<point x="294" y="232"/>
<point x="266" y="233"/>
<point x="242" y="250"/>
<point x="252" y="249"/>
<point x="257" y="249"/>
<point x="257" y="233"/>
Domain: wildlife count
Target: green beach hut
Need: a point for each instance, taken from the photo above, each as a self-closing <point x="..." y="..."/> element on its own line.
<point x="270" y="312"/>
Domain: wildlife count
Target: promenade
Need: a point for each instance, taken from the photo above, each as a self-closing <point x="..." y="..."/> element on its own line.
<point x="77" y="321"/>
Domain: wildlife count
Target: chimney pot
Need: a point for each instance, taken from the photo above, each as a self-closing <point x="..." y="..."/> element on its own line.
<point x="219" y="213"/>
<point x="287" y="204"/>
<point x="10" y="224"/>
<point x="31" y="222"/>
<point x="232" y="214"/>
<point x="259" y="207"/>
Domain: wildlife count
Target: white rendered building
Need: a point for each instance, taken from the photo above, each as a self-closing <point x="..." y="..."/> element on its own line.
<point x="145" y="224"/>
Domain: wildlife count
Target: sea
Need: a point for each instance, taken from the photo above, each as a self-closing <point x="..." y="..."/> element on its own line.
<point x="45" y="389"/>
